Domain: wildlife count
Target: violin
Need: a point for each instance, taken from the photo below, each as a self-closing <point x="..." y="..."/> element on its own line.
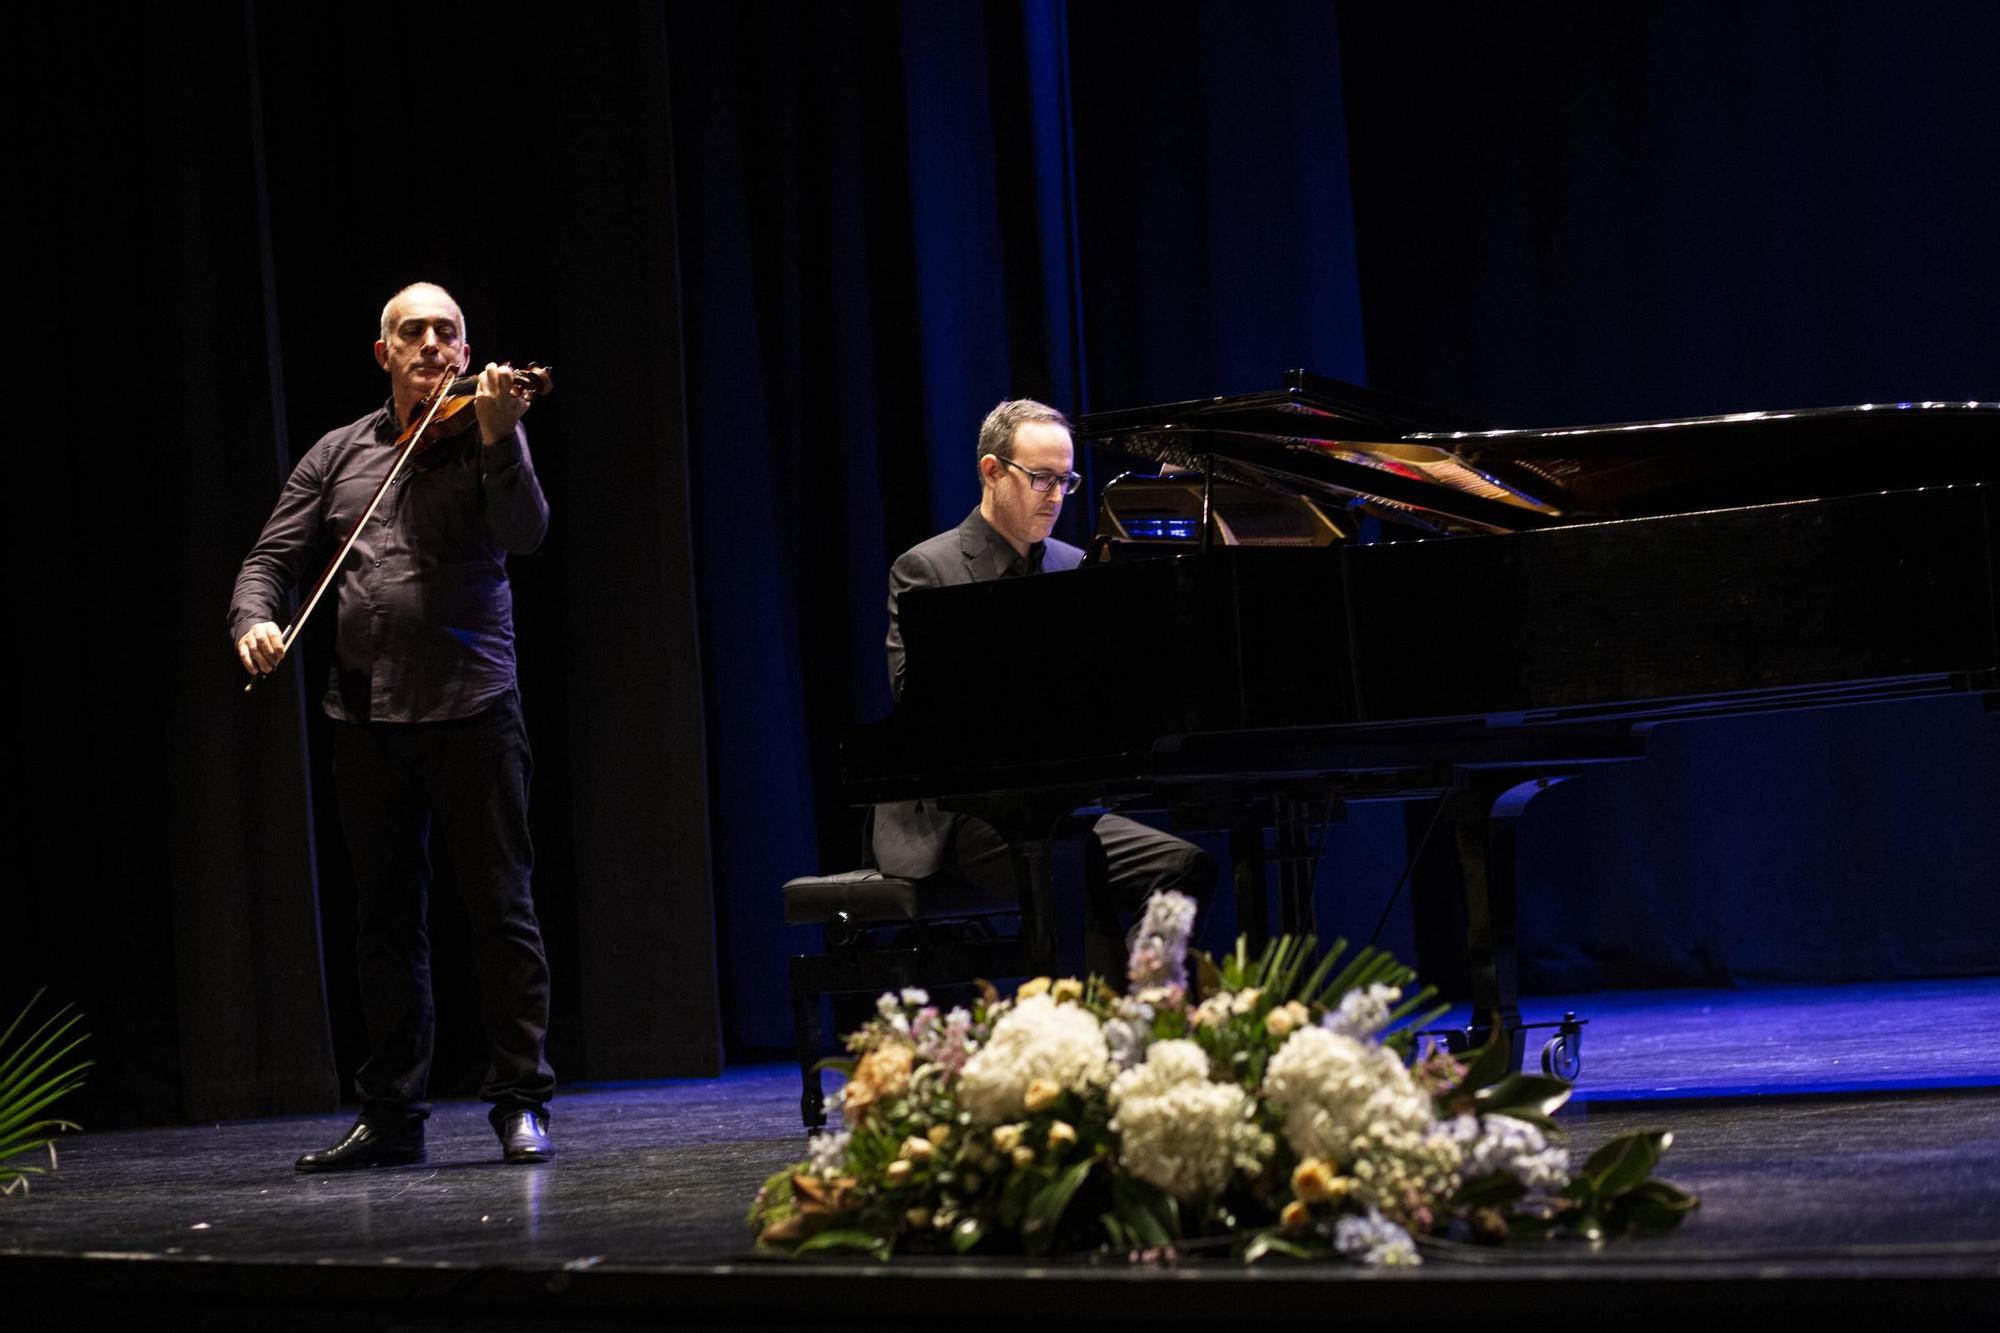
<point x="445" y="411"/>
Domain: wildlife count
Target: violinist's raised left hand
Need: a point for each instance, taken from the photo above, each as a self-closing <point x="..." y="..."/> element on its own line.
<point x="497" y="404"/>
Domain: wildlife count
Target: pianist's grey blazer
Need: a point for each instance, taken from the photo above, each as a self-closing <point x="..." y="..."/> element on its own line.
<point x="913" y="839"/>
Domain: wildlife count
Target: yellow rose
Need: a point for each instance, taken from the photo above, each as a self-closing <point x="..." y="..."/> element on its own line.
<point x="1031" y="988"/>
<point x="1061" y="1134"/>
<point x="1005" y="1137"/>
<point x="1312" y="1181"/>
<point x="898" y="1171"/>
<point x="1279" y="1021"/>
<point x="939" y="1134"/>
<point x="1041" y="1093"/>
<point x="1296" y="1217"/>
<point x="1069" y="988"/>
<point x="1023" y="1156"/>
<point x="917" y="1149"/>
<point x="917" y="1219"/>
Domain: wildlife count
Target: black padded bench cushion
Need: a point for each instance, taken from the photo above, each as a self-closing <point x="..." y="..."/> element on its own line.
<point x="870" y="895"/>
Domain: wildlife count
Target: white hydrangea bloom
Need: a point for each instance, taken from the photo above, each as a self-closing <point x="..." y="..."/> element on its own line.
<point x="1501" y="1145"/>
<point x="1037" y="1038"/>
<point x="1338" y="1092"/>
<point x="1364" y="1012"/>
<point x="827" y="1153"/>
<point x="1178" y="1130"/>
<point x="1129" y="1031"/>
<point x="1375" y="1241"/>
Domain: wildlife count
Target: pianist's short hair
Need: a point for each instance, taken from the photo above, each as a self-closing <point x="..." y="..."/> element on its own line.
<point x="996" y="433"/>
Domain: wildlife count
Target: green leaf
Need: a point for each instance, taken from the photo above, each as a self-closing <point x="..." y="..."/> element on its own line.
<point x="847" y="1242"/>
<point x="1044" y="1212"/>
<point x="1488" y="1067"/>
<point x="30" y="1137"/>
<point x="1653" y="1205"/>
<point x="1271" y="1242"/>
<point x="1284" y="986"/>
<point x="1519" y="1093"/>
<point x="1207" y="980"/>
<point x="1625" y="1161"/>
<point x="1403" y="1041"/>
<point x="1349" y="977"/>
<point x="28" y="1073"/>
<point x="1318" y="977"/>
<point x="967" y="1234"/>
<point x="1148" y="1212"/>
<point x="33" y="1044"/>
<point x="837" y="1064"/>
<point x="13" y="1116"/>
<point x="1255" y="976"/>
<point x="1488" y="1192"/>
<point x="1547" y="1124"/>
<point x="1415" y="1002"/>
<point x="30" y="1081"/>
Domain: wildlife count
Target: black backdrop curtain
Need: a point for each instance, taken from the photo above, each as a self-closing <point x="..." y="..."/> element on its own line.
<point x="227" y="195"/>
<point x="783" y="257"/>
<point x="1581" y="213"/>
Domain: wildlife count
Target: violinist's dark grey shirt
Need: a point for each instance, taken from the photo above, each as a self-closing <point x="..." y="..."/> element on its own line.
<point x="426" y="615"/>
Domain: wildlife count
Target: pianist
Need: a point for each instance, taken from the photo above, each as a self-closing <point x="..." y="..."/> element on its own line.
<point x="1025" y="460"/>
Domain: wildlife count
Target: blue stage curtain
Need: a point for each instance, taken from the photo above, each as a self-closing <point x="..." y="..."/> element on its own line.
<point x="1583" y="212"/>
<point x="893" y="217"/>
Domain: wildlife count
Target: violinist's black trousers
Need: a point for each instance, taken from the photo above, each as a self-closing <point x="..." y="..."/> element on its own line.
<point x="470" y="777"/>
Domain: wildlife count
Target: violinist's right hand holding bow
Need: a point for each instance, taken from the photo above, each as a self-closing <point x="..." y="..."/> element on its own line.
<point x="261" y="648"/>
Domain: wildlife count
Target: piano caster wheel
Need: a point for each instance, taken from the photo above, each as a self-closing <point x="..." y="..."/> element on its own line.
<point x="1562" y="1054"/>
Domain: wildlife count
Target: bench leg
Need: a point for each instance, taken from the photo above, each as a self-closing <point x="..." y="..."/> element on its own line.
<point x="807" y="1033"/>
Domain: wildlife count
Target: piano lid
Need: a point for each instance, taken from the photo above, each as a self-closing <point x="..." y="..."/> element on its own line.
<point x="1355" y="446"/>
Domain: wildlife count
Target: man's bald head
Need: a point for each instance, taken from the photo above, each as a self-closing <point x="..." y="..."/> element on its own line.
<point x="416" y="288"/>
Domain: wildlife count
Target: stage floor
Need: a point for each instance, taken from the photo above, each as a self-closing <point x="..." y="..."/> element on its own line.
<point x="1845" y="1136"/>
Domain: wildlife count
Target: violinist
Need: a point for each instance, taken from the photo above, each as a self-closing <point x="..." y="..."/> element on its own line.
<point x="427" y="717"/>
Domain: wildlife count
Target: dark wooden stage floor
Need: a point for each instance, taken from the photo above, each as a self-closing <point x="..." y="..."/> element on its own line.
<point x="1845" y="1140"/>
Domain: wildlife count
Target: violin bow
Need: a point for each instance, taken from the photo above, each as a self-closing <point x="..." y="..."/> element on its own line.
<point x="438" y="396"/>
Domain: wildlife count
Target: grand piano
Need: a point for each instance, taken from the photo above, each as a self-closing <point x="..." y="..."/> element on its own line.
<point x="1324" y="595"/>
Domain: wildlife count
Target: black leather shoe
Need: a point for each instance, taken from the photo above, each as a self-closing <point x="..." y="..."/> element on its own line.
<point x="365" y="1146"/>
<point x="524" y="1137"/>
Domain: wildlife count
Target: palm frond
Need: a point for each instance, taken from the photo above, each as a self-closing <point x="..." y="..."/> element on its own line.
<point x="33" y="1077"/>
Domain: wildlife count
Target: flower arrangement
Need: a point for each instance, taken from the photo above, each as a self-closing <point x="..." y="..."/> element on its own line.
<point x="1256" y="1107"/>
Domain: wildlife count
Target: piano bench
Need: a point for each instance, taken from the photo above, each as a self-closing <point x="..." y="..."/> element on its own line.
<point x="886" y="933"/>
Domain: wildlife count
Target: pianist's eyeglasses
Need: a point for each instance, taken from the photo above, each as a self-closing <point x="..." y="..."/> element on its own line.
<point x="1041" y="481"/>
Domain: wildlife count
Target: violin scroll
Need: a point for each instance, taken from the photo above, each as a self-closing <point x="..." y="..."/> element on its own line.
<point x="533" y="380"/>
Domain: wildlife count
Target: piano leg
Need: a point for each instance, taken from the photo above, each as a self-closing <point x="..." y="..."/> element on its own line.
<point x="1486" y="809"/>
<point x="1246" y="861"/>
<point x="1295" y="867"/>
<point x="1033" y="860"/>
